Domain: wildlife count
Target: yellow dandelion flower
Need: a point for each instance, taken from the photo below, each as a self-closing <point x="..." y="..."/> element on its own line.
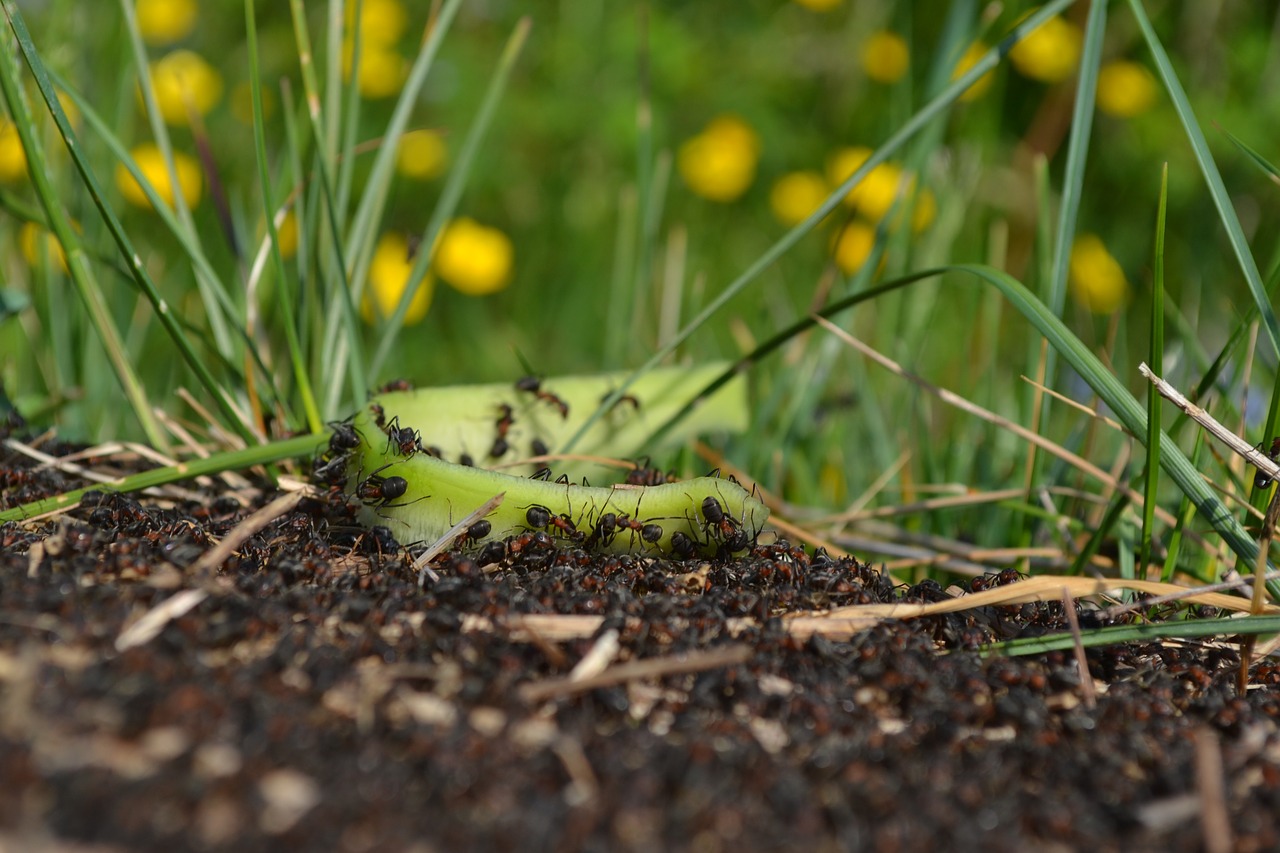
<point x="183" y="78"/>
<point x="797" y="195"/>
<point x="422" y="155"/>
<point x="388" y="276"/>
<point x="853" y="246"/>
<point x="819" y="5"/>
<point x="151" y="163"/>
<point x="473" y="258"/>
<point x="970" y="59"/>
<point x="29" y="243"/>
<point x="1049" y="53"/>
<point x="382" y="71"/>
<point x="382" y="22"/>
<point x="1125" y="89"/>
<point x="877" y="192"/>
<point x="288" y="235"/>
<point x="885" y="58"/>
<point x="1097" y="281"/>
<point x="13" y="157"/>
<point x="166" y="21"/>
<point x="720" y="162"/>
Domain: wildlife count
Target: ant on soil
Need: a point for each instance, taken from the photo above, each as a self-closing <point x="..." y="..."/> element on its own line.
<point x="1261" y="480"/>
<point x="533" y="385"/>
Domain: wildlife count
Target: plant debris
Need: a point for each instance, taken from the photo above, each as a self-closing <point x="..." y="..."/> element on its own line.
<point x="306" y="691"/>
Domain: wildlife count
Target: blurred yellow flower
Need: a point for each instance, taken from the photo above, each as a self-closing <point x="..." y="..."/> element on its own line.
<point x="13" y="158"/>
<point x="878" y="190"/>
<point x="288" y="235"/>
<point x="853" y="246"/>
<point x="720" y="162"/>
<point x="1049" y="53"/>
<point x="796" y="195"/>
<point x="182" y="78"/>
<point x="474" y="258"/>
<point x="1097" y="281"/>
<point x="151" y="163"/>
<point x="970" y="59"/>
<point x="28" y="242"/>
<point x="819" y="5"/>
<point x="422" y="155"/>
<point x="388" y="275"/>
<point x="1125" y="89"/>
<point x="382" y="70"/>
<point x="885" y="58"/>
<point x="382" y="22"/>
<point x="166" y="21"/>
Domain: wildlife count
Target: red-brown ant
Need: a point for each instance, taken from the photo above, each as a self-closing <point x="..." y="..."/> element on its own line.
<point x="533" y="385"/>
<point x="379" y="415"/>
<point x="505" y="419"/>
<point x="473" y="534"/>
<point x="625" y="398"/>
<point x="406" y="440"/>
<point x="604" y="530"/>
<point x="345" y="437"/>
<point x="682" y="545"/>
<point x="724" y="529"/>
<point x="650" y="533"/>
<point x="381" y="492"/>
<point x="1261" y="480"/>
<point x="395" y="385"/>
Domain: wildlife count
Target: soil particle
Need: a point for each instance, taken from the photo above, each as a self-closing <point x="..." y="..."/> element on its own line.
<point x="317" y="697"/>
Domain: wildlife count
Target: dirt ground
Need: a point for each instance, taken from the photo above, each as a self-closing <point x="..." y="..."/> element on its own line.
<point x="307" y="693"/>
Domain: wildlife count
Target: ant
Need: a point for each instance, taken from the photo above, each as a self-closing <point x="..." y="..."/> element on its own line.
<point x="542" y="474"/>
<point x="473" y="534"/>
<point x="466" y="461"/>
<point x="406" y="440"/>
<point x="727" y="530"/>
<point x="505" y="419"/>
<point x="395" y="385"/>
<point x="604" y="531"/>
<point x="682" y="545"/>
<point x="539" y="447"/>
<point x="625" y="398"/>
<point x="533" y="385"/>
<point x="649" y="533"/>
<point x="1262" y="481"/>
<point x="332" y="472"/>
<point x="345" y="437"/>
<point x="379" y="415"/>
<point x="381" y="492"/>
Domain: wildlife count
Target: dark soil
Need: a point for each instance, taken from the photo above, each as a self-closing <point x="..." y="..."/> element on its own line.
<point x="318" y="698"/>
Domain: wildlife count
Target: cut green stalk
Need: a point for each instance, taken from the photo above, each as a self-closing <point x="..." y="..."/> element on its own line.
<point x="1154" y="401"/>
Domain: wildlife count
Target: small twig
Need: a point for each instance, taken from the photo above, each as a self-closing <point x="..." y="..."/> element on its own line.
<point x="1251" y="454"/>
<point x="424" y="570"/>
<point x="679" y="664"/>
<point x="1087" y="690"/>
<point x="602" y="653"/>
<point x="1215" y="823"/>
<point x="153" y="621"/>
<point x="215" y="556"/>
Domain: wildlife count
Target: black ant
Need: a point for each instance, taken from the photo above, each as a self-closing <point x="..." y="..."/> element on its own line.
<point x="605" y="529"/>
<point x="538" y="516"/>
<point x="505" y="419"/>
<point x="682" y="545"/>
<point x="406" y="440"/>
<point x="650" y="533"/>
<point x="473" y="534"/>
<point x="466" y="461"/>
<point x="726" y="530"/>
<point x="345" y="437"/>
<point x="533" y="385"/>
<point x="380" y="492"/>
<point x="538" y="447"/>
<point x="1262" y="481"/>
<point x="332" y="472"/>
<point x="542" y="474"/>
<point x="379" y="415"/>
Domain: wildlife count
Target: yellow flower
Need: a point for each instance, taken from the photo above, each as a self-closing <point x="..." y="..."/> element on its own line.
<point x="796" y="195"/>
<point x="853" y="246"/>
<point x="877" y="191"/>
<point x="388" y="275"/>
<point x="720" y="163"/>
<point x="1097" y="281"/>
<point x="151" y="163"/>
<point x="166" y="21"/>
<point x="382" y="22"/>
<point x="970" y="59"/>
<point x="1049" y="53"/>
<point x="28" y="241"/>
<point x="13" y="158"/>
<point x="1125" y="89"/>
<point x="885" y="58"/>
<point x="183" y="78"/>
<point x="819" y="5"/>
<point x="382" y="70"/>
<point x="288" y="235"/>
<point x="473" y="258"/>
<point x="422" y="155"/>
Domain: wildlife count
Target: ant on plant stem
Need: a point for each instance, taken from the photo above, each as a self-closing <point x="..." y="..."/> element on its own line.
<point x="533" y="385"/>
<point x="1262" y="480"/>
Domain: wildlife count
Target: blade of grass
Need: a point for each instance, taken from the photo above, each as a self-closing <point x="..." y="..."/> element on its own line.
<point x="1156" y="359"/>
<point x="451" y="193"/>
<point x="285" y="300"/>
<point x="82" y="274"/>
<point x="1258" y="160"/>
<point x="1217" y="189"/>
<point x="233" y="460"/>
<point x="1183" y="629"/>
<point x="892" y="145"/>
<point x="127" y="250"/>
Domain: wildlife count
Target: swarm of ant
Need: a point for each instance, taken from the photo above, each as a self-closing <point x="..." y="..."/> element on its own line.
<point x="706" y="528"/>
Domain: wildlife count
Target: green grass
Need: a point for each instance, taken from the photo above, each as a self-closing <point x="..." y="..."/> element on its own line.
<point x="564" y="132"/>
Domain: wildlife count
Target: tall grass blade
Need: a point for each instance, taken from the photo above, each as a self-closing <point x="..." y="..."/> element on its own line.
<point x="1156" y="360"/>
<point x="1217" y="189"/>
